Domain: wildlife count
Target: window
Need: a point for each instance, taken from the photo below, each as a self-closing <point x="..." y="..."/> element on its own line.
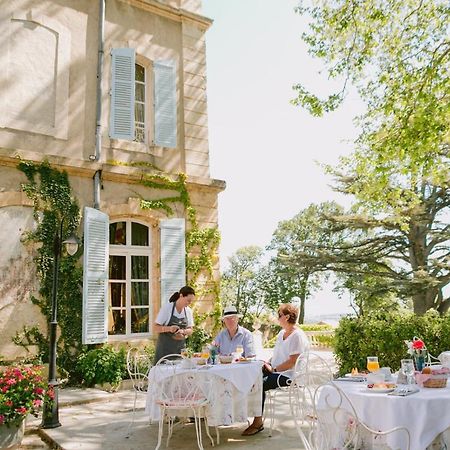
<point x="139" y="103"/>
<point x="131" y="83"/>
<point x="129" y="279"/>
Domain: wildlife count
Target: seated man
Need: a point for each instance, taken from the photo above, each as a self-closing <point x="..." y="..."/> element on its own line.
<point x="233" y="335"/>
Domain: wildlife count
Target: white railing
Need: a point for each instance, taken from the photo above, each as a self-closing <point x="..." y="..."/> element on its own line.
<point x="313" y="337"/>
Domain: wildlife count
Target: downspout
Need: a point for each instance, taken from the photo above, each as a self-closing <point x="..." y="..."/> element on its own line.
<point x="98" y="128"/>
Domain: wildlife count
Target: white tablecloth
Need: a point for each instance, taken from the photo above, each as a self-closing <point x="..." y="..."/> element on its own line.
<point x="236" y="392"/>
<point x="426" y="414"/>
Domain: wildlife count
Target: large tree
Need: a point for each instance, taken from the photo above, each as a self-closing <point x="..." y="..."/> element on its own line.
<point x="302" y="235"/>
<point x="239" y="283"/>
<point x="397" y="55"/>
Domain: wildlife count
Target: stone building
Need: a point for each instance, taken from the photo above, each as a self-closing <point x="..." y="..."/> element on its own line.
<point x="109" y="91"/>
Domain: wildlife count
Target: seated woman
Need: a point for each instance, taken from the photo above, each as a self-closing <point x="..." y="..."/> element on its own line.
<point x="291" y="343"/>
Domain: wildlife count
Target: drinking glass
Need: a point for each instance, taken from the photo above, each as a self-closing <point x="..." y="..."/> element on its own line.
<point x="205" y="352"/>
<point x="372" y="363"/>
<point x="407" y="368"/>
<point x="239" y="350"/>
<point x="184" y="352"/>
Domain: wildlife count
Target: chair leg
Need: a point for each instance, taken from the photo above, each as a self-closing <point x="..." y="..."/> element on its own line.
<point x="217" y="435"/>
<point x="207" y="430"/>
<point x="272" y="412"/>
<point x="198" y="430"/>
<point x="132" y="418"/>
<point x="160" y="430"/>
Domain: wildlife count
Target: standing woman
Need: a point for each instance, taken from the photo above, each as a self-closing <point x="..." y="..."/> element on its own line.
<point x="174" y="323"/>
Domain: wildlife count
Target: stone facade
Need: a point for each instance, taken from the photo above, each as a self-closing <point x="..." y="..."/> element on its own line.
<point x="48" y="111"/>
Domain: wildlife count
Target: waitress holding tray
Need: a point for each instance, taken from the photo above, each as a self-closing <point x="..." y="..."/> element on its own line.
<point x="174" y="323"/>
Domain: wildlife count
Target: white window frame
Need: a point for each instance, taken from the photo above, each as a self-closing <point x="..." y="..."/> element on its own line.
<point x="129" y="250"/>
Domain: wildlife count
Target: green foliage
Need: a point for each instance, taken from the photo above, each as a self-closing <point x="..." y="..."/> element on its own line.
<point x="102" y="365"/>
<point x="54" y="207"/>
<point x="397" y="55"/>
<point x="316" y="327"/>
<point x="198" y="339"/>
<point x="382" y="333"/>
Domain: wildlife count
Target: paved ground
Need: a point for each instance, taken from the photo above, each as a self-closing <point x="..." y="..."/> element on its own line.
<point x="96" y="420"/>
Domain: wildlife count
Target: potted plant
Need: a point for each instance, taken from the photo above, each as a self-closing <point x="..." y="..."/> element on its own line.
<point x="22" y="391"/>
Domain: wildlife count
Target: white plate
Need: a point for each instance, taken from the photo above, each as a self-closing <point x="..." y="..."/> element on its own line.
<point x="379" y="390"/>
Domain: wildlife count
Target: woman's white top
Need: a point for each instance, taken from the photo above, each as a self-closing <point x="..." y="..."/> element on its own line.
<point x="166" y="312"/>
<point x="295" y="344"/>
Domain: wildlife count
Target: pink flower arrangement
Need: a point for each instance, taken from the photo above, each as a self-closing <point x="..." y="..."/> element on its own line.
<point x="416" y="347"/>
<point x="22" y="392"/>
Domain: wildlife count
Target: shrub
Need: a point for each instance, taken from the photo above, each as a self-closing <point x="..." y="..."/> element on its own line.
<point x="383" y="333"/>
<point x="103" y="365"/>
<point x="198" y="339"/>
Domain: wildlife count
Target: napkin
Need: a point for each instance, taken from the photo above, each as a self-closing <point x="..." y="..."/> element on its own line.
<point x="353" y="378"/>
<point x="403" y="391"/>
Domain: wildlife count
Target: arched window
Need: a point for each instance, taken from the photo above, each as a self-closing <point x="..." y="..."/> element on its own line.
<point x="129" y="279"/>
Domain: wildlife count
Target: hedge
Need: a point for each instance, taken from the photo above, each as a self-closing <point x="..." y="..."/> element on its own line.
<point x="382" y="334"/>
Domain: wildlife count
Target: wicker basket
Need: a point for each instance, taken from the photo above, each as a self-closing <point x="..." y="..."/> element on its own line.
<point x="435" y="381"/>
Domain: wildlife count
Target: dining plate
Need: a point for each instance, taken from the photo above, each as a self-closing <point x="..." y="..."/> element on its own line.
<point x="379" y="390"/>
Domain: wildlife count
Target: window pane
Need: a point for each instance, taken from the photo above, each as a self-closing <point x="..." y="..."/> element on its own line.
<point x="139" y="267"/>
<point x="118" y="322"/>
<point x="117" y="266"/>
<point x="139" y="92"/>
<point x="139" y="294"/>
<point x="139" y="320"/>
<point x="139" y="134"/>
<point x="117" y="293"/>
<point x="139" y="72"/>
<point x="139" y="114"/>
<point x="117" y="233"/>
<point x="139" y="234"/>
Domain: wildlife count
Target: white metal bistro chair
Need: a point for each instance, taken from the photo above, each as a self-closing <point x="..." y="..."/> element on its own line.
<point x="138" y="367"/>
<point x="335" y="424"/>
<point x="316" y="372"/>
<point x="182" y="394"/>
<point x="271" y="395"/>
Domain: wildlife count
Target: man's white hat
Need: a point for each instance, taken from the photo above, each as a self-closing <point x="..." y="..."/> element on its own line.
<point x="230" y="311"/>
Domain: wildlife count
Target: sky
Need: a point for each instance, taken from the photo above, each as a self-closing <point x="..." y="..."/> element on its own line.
<point x="267" y="150"/>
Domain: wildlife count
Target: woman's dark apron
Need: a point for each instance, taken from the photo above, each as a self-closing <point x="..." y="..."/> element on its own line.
<point x="166" y="344"/>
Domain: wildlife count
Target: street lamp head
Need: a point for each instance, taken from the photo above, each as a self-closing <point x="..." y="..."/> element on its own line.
<point x="71" y="244"/>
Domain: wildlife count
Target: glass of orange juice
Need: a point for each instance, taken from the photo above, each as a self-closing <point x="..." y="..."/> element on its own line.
<point x="372" y="363"/>
<point x="205" y="352"/>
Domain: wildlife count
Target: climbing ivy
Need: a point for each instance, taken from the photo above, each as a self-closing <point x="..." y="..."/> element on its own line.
<point x="50" y="191"/>
<point x="53" y="204"/>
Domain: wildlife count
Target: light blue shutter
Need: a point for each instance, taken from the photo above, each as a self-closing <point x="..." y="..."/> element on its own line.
<point x="173" y="256"/>
<point x="95" y="276"/>
<point x="122" y="94"/>
<point x="165" y="103"/>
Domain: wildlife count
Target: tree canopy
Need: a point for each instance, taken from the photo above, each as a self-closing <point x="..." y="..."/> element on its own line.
<point x="396" y="54"/>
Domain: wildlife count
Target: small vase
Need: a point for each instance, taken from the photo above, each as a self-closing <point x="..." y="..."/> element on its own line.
<point x="419" y="362"/>
<point x="11" y="435"/>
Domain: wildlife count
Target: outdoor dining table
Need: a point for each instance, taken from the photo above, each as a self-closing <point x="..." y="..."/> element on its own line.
<point x="235" y="393"/>
<point x="425" y="414"/>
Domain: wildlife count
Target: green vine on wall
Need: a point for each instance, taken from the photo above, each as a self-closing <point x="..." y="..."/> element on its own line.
<point x="50" y="191"/>
<point x="201" y="243"/>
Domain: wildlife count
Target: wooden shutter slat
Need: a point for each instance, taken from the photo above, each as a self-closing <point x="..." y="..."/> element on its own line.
<point x="165" y="103"/>
<point x="122" y="93"/>
<point x="95" y="276"/>
<point x="173" y="257"/>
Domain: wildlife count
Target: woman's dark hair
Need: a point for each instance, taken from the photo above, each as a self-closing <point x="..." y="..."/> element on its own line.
<point x="288" y="309"/>
<point x="184" y="291"/>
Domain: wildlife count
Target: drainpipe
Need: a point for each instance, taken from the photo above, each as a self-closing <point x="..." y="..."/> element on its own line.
<point x="98" y="128"/>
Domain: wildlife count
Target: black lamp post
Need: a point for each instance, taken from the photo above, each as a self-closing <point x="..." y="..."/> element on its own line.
<point x="50" y="415"/>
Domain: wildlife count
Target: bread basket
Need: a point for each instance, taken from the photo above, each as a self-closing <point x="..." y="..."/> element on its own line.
<point x="225" y="359"/>
<point x="435" y="381"/>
